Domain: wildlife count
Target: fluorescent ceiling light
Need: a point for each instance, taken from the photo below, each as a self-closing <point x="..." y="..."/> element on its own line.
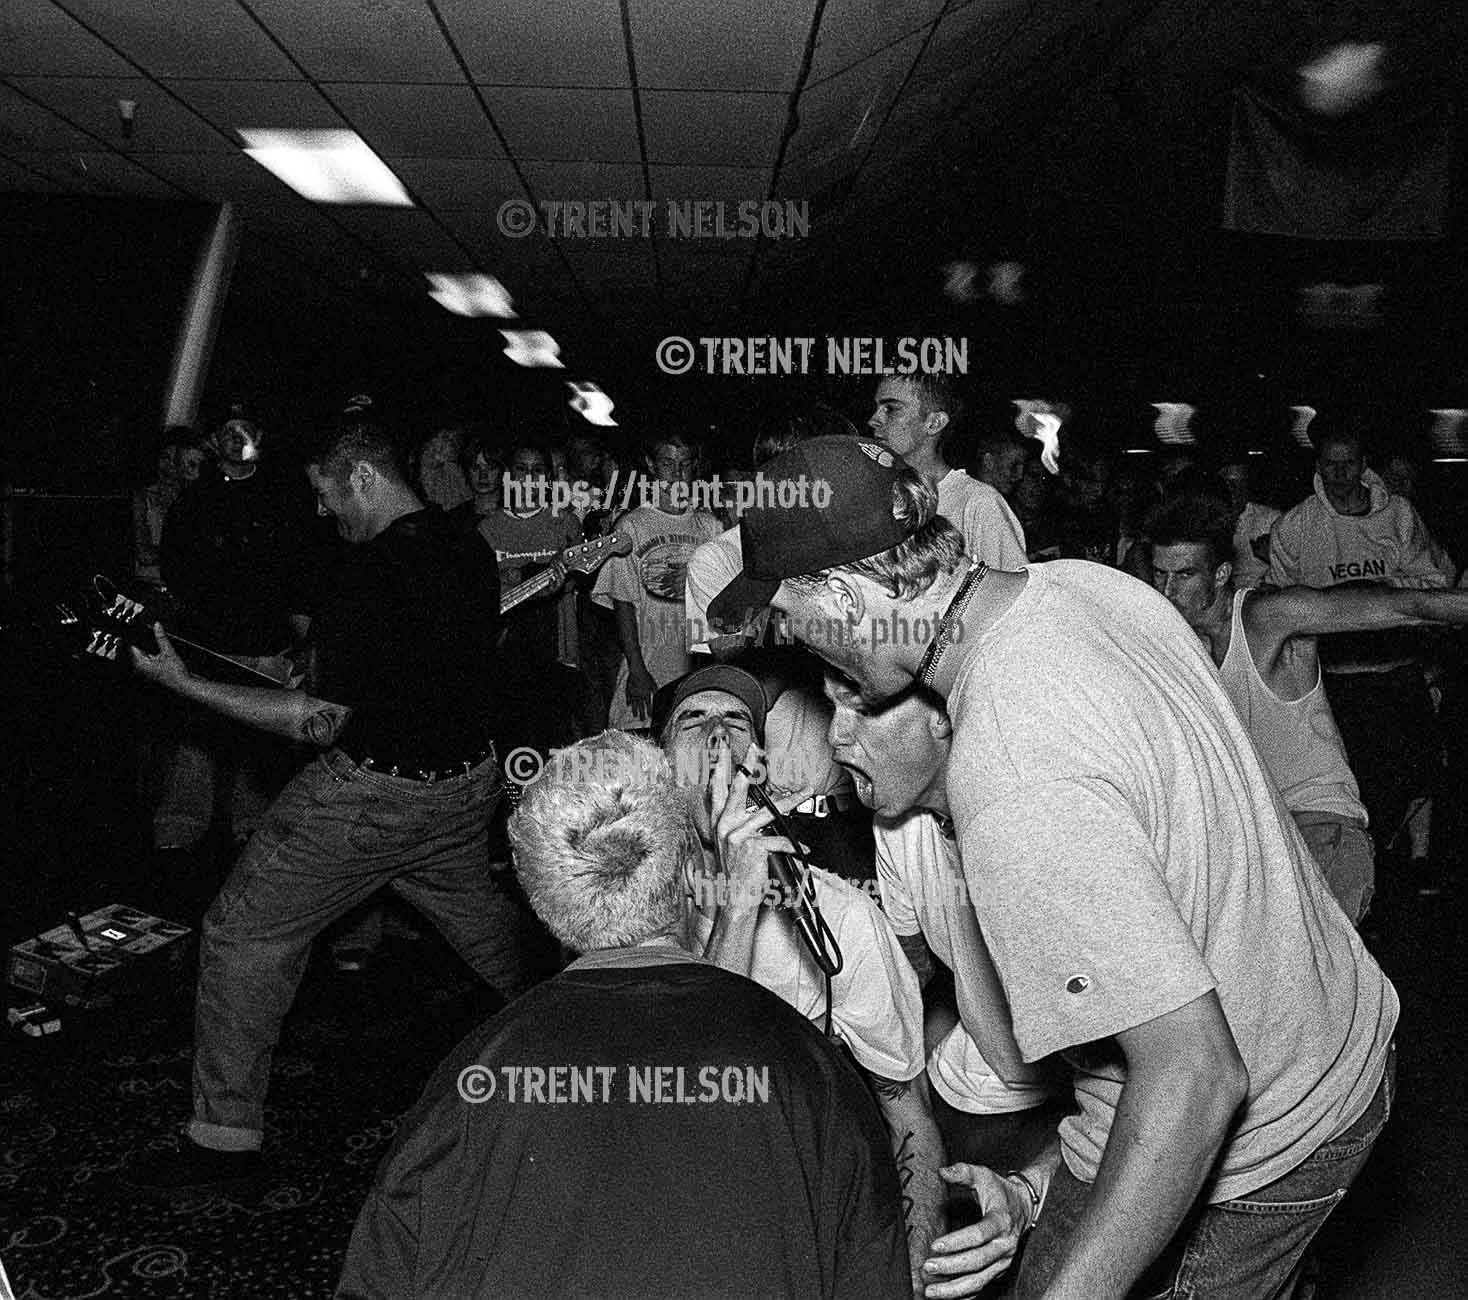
<point x="1300" y="431"/>
<point x="325" y="166"/>
<point x="1171" y="425"/>
<point x="532" y="348"/>
<point x="1138" y="451"/>
<point x="471" y="294"/>
<point x="1449" y="460"/>
<point x="592" y="404"/>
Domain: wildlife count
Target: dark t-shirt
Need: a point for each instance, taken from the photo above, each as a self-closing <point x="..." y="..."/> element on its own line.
<point x="615" y="1183"/>
<point x="405" y="635"/>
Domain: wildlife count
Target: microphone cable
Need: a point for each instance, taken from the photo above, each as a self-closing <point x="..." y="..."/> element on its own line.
<point x="810" y="924"/>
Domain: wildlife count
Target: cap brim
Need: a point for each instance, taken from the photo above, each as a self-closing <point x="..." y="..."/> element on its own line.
<point x="741" y="601"/>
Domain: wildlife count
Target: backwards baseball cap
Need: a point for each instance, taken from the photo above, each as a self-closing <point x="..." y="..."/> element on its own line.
<point x="744" y="686"/>
<point x="852" y="480"/>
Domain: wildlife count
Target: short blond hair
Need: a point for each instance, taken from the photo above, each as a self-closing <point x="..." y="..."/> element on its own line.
<point x="601" y="841"/>
<point x="933" y="547"/>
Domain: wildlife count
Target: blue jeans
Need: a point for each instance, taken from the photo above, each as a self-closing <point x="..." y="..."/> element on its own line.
<point x="1250" y="1248"/>
<point x="335" y="834"/>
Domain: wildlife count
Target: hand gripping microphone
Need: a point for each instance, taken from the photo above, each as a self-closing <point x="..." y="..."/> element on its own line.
<point x="797" y="887"/>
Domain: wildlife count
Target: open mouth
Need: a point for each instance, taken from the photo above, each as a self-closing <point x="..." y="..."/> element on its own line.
<point x="860" y="780"/>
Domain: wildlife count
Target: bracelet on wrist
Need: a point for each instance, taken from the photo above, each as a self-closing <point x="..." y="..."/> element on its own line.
<point x="1036" y="1199"/>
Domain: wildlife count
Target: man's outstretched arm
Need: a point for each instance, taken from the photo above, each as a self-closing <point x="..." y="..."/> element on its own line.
<point x="1184" y="1082"/>
<point x="290" y="713"/>
<point x="1310" y="611"/>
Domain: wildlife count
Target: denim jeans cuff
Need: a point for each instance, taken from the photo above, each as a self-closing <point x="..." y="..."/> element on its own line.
<point x="217" y="1137"/>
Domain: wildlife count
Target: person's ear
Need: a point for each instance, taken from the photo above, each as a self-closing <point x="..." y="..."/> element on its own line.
<point x="846" y="595"/>
<point x="1222" y="572"/>
<point x="364" y="476"/>
<point x="940" y="725"/>
<point x="936" y="422"/>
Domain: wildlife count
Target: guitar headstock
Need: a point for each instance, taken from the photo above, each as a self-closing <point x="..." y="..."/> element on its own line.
<point x="586" y="556"/>
<point x="114" y="605"/>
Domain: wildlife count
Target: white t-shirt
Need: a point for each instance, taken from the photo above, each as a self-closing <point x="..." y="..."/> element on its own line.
<point x="990" y="530"/>
<point x="652" y="577"/>
<point x="878" y="1007"/>
<point x="923" y="892"/>
<point x="1126" y="853"/>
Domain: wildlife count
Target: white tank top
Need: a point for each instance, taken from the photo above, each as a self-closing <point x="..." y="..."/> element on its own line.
<point x="1296" y="739"/>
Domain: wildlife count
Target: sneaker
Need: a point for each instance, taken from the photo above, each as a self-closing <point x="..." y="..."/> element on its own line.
<point x="188" y="1169"/>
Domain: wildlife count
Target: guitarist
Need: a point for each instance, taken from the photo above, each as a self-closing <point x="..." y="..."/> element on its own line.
<point x="400" y="703"/>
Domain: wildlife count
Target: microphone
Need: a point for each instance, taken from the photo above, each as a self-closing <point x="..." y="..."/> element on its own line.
<point x="795" y="884"/>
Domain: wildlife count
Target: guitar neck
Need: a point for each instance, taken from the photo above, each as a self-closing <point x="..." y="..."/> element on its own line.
<point x="523" y="591"/>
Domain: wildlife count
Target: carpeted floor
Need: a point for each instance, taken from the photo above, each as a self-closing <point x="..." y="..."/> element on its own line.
<point x="354" y="1056"/>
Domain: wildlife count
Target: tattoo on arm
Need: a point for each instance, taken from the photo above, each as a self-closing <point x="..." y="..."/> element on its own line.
<point x="893" y="1090"/>
<point x="906" y="1159"/>
<point x="890" y="1089"/>
<point x="321" y="727"/>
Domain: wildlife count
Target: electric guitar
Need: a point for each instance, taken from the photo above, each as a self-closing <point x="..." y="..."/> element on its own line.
<point x="109" y="619"/>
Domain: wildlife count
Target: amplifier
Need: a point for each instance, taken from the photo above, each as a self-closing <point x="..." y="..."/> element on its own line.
<point x="97" y="959"/>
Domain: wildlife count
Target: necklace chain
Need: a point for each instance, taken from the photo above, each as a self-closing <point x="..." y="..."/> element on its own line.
<point x="944" y="633"/>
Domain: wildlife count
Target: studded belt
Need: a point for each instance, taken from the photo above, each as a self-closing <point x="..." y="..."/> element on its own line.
<point x="427" y="775"/>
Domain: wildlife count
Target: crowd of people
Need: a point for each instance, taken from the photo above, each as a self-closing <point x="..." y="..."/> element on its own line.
<point x="949" y="880"/>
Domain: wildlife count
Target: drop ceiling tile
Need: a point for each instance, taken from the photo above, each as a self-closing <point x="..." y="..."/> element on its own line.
<point x="851" y="30"/>
<point x="37" y="39"/>
<point x="733" y="45"/>
<point x="695" y="271"/>
<point x="186" y="38"/>
<point x="553" y="124"/>
<point x="160" y="123"/>
<point x="840" y="118"/>
<point x="564" y="182"/>
<point x="692" y="183"/>
<point x="540" y="42"/>
<point x="230" y="105"/>
<point x="455" y="184"/>
<point x="29" y="126"/>
<point x="390" y="40"/>
<point x="718" y="128"/>
<point x="18" y="179"/>
<point x="410" y="238"/>
<point x="418" y="121"/>
<point x="129" y="178"/>
<point x="37" y="173"/>
<point x="622" y="263"/>
<point x="492" y="249"/>
<point x="70" y="171"/>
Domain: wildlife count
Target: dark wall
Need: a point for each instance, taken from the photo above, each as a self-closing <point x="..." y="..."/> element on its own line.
<point x="91" y="292"/>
